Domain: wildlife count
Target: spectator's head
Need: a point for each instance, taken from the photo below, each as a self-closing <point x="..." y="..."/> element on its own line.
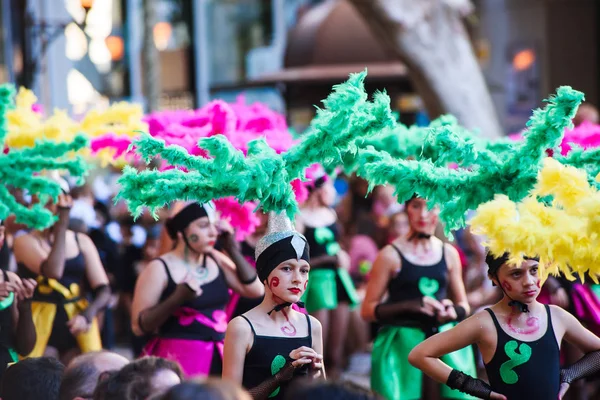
<point x="102" y="213"/>
<point x="211" y="389"/>
<point x="140" y="379"/>
<point x="81" y="375"/>
<point x="328" y="390"/>
<point x="32" y="379"/>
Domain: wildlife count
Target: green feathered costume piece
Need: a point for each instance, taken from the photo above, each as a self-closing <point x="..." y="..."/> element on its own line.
<point x="588" y="160"/>
<point x="427" y="143"/>
<point x="19" y="169"/>
<point x="511" y="171"/>
<point x="262" y="174"/>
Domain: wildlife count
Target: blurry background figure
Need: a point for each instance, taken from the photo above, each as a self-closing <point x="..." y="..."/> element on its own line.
<point x="586" y="113"/>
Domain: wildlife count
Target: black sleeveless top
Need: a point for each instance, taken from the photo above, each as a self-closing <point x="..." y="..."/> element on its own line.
<point x="323" y="242"/>
<point x="202" y="318"/>
<point x="7" y="353"/>
<point x="416" y="281"/>
<point x="525" y="370"/>
<point x="74" y="273"/>
<point x="268" y="355"/>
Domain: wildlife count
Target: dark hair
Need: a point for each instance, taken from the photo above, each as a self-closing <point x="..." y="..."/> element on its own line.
<point x="102" y="209"/>
<point x="494" y="263"/>
<point x="134" y="381"/>
<point x="32" y="379"/>
<point x="328" y="390"/>
<point x="211" y="389"/>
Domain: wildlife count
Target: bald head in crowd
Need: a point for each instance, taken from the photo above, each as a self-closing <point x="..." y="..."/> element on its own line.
<point x="81" y="375"/>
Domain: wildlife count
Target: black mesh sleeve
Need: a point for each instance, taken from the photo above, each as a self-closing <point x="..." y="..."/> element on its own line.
<point x="588" y="365"/>
<point x="264" y="390"/>
<point x="387" y="312"/>
<point x="466" y="384"/>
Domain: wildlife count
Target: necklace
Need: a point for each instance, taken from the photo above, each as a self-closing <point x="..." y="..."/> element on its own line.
<point x="200" y="272"/>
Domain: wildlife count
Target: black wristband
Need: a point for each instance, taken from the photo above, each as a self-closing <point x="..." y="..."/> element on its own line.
<point x="98" y="289"/>
<point x="376" y="312"/>
<point x="461" y="313"/>
<point x="469" y="385"/>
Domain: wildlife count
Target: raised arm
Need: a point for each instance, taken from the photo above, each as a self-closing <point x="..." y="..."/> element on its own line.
<point x="50" y="265"/>
<point x="252" y="289"/>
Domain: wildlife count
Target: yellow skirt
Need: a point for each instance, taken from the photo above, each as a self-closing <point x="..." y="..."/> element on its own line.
<point x="44" y="313"/>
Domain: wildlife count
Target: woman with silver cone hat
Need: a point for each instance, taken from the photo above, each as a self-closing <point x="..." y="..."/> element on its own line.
<point x="272" y="344"/>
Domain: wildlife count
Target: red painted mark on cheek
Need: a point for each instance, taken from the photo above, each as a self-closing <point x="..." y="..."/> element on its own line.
<point x="275" y="282"/>
<point x="539" y="284"/>
<point x="507" y="286"/>
<point x="305" y="283"/>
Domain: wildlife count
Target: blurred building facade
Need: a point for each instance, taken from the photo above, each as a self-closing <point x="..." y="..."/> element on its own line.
<point x="78" y="54"/>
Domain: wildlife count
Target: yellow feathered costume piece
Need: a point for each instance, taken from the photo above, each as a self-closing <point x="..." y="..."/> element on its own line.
<point x="563" y="235"/>
<point x="25" y="126"/>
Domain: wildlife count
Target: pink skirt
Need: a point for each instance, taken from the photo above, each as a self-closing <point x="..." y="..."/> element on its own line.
<point x="194" y="356"/>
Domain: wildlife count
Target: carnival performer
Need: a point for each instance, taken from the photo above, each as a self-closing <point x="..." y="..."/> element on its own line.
<point x="423" y="278"/>
<point x="330" y="293"/>
<point x="268" y="346"/>
<point x="63" y="263"/>
<point x="17" y="332"/>
<point x="519" y="339"/>
<point x="181" y="296"/>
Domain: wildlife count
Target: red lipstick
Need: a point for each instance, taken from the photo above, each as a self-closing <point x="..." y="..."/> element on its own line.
<point x="294" y="290"/>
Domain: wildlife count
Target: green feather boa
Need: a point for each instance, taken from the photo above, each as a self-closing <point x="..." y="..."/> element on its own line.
<point x="508" y="168"/>
<point x="261" y="175"/>
<point x="20" y="169"/>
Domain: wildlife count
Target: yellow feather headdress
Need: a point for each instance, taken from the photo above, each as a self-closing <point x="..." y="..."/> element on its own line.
<point x="563" y="233"/>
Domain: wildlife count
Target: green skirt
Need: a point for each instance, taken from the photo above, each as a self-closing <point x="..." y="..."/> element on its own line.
<point x="395" y="379"/>
<point x="328" y="287"/>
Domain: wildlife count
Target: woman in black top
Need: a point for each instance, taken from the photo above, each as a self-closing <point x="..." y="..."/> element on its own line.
<point x="519" y="340"/>
<point x="64" y="263"/>
<point x="181" y="296"/>
<point x="272" y="343"/>
<point x="425" y="294"/>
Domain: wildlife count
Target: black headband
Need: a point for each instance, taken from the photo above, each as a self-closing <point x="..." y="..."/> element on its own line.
<point x="183" y="218"/>
<point x="279" y="252"/>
